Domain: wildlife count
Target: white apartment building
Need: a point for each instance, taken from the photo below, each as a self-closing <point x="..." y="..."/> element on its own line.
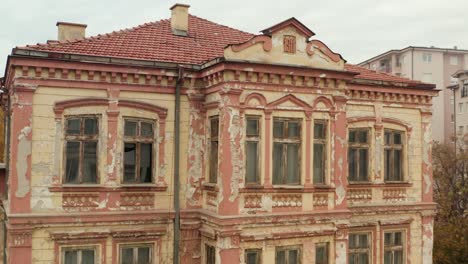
<point x="431" y="65"/>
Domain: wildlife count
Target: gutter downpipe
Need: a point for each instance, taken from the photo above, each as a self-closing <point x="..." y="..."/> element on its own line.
<point x="180" y="79"/>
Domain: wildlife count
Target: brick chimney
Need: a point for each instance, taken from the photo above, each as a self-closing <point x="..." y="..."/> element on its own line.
<point x="179" y="19"/>
<point x="71" y="31"/>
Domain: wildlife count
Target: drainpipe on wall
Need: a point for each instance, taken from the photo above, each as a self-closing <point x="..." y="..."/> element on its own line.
<point x="412" y="63"/>
<point x="180" y="79"/>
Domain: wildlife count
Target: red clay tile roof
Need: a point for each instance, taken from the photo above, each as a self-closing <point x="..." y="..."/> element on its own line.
<point x="367" y="74"/>
<point x="154" y="41"/>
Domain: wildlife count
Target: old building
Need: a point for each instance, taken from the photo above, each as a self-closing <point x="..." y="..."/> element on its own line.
<point x="430" y="65"/>
<point x="246" y="148"/>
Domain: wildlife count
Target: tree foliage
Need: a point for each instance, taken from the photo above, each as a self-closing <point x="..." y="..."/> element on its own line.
<point x="450" y="169"/>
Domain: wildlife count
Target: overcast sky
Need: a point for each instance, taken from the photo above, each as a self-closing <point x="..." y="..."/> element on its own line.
<point x="357" y="29"/>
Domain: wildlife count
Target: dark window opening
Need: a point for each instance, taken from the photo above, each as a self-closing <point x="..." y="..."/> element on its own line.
<point x="138" y="151"/>
<point x="288" y="255"/>
<point x="320" y="151"/>
<point x="214" y="133"/>
<point x="252" y="144"/>
<point x="393" y="155"/>
<point x="358" y="155"/>
<point x="136" y="254"/>
<point x="81" y="142"/>
<point x="79" y="256"/>
<point x="359" y="249"/>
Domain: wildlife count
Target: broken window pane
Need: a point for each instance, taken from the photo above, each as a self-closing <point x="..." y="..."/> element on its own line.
<point x="146" y="129"/>
<point x="73" y="160"/>
<point x="145" y="162"/>
<point x="90" y="162"/>
<point x="251" y="162"/>
<point x="319" y="162"/>
<point x="129" y="162"/>
<point x="90" y="126"/>
<point x="73" y="126"/>
<point x="130" y="128"/>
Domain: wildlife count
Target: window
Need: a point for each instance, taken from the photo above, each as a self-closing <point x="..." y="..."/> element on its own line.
<point x="460" y="130"/>
<point x="138" y="151"/>
<point x="358" y="155"/>
<point x="464" y="90"/>
<point x="460" y="108"/>
<point x="427" y="57"/>
<point x="288" y="255"/>
<point x="214" y="132"/>
<point x="136" y="254"/>
<point x="359" y="249"/>
<point x="79" y="256"/>
<point x="253" y="256"/>
<point x="210" y="252"/>
<point x="252" y="142"/>
<point x="321" y="253"/>
<point x="286" y="151"/>
<point x="320" y="151"/>
<point x="453" y="60"/>
<point x="393" y="247"/>
<point x="393" y="155"/>
<point x="81" y="138"/>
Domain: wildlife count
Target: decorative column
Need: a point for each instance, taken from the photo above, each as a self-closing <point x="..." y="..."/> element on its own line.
<point x="427" y="180"/>
<point x="308" y="146"/>
<point x="230" y="152"/>
<point x="340" y="159"/>
<point x="196" y="153"/>
<point x="341" y="245"/>
<point x="20" y="150"/>
<point x="427" y="237"/>
<point x="229" y="247"/>
<point x="112" y="128"/>
<point x="19" y="245"/>
<point x="268" y="151"/>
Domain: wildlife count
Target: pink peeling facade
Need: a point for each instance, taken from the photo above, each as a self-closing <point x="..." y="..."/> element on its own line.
<point x="289" y="192"/>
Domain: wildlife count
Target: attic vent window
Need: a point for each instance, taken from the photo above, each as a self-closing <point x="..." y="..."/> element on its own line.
<point x="289" y="44"/>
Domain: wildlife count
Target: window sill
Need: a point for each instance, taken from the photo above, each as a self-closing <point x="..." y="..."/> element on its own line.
<point x="287" y="189"/>
<point x="385" y="184"/>
<point x="210" y="187"/>
<point x="100" y="188"/>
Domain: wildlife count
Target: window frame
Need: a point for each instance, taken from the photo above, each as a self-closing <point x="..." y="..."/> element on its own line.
<point x="81" y="138"/>
<point x="135" y="247"/>
<point x="257" y="139"/>
<point x="464" y="89"/>
<point x="427" y="57"/>
<point x="324" y="142"/>
<point x="393" y="248"/>
<point x="79" y="254"/>
<point x="286" y="140"/>
<point x="392" y="147"/>
<point x="138" y="140"/>
<point x="359" y="250"/>
<point x="213" y="160"/>
<point x="287" y="249"/>
<point x="358" y="146"/>
<point x="258" y="252"/>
